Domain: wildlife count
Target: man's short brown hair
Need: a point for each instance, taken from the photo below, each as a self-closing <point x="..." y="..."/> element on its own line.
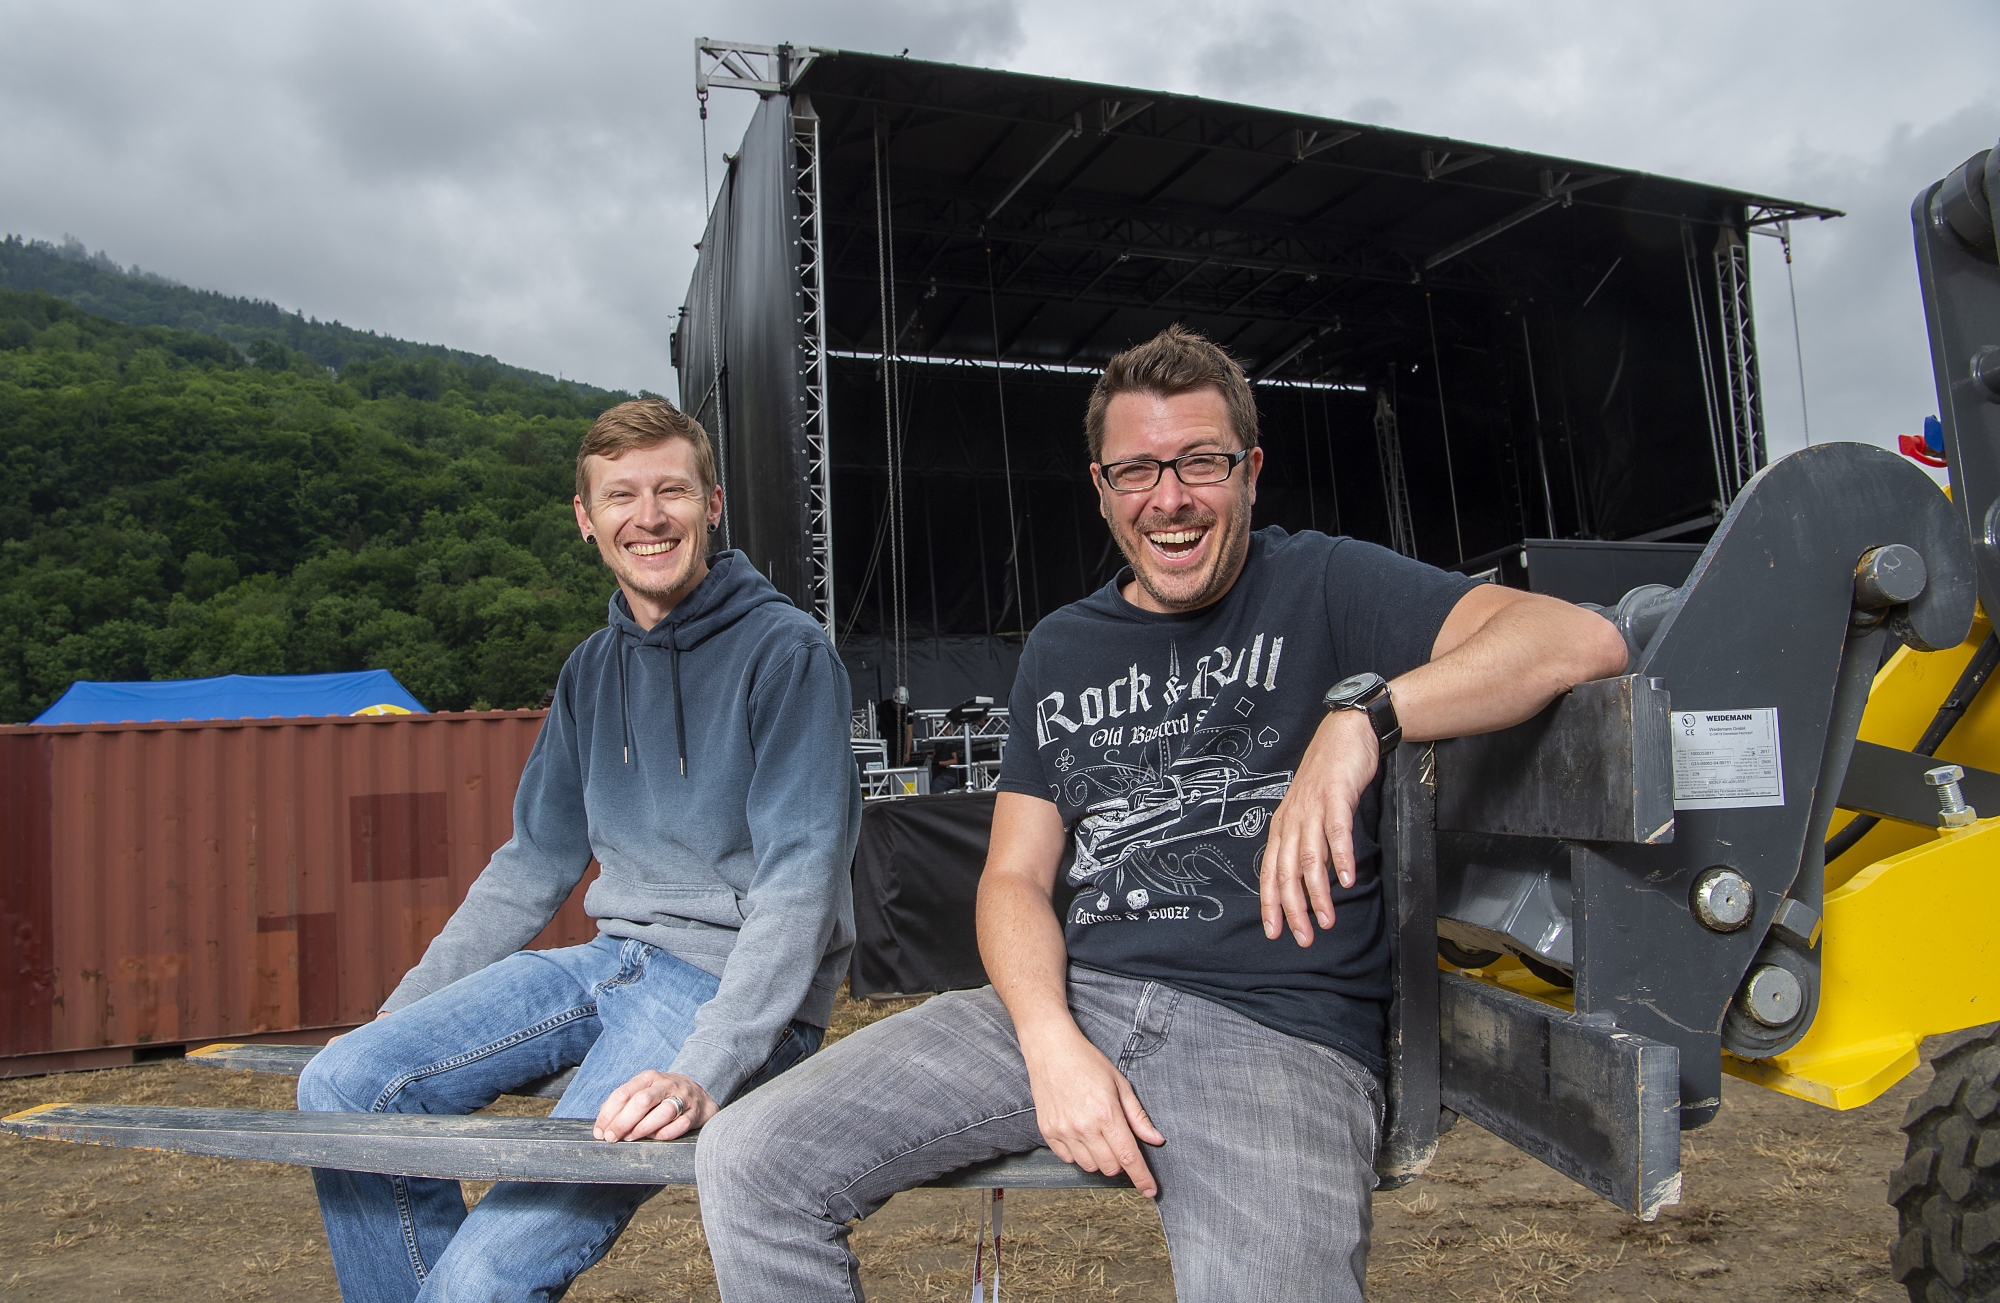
<point x="1176" y="361"/>
<point x="645" y="423"/>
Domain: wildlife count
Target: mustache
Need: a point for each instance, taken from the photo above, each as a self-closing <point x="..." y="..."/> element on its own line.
<point x="1193" y="516"/>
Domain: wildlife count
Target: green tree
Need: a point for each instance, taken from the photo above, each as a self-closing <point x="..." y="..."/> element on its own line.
<point x="172" y="507"/>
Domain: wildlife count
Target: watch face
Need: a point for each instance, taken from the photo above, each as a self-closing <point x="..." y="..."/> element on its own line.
<point x="1351" y="687"/>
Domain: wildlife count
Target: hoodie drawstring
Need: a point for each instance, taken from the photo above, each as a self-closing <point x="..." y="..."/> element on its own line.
<point x="624" y="710"/>
<point x="680" y="725"/>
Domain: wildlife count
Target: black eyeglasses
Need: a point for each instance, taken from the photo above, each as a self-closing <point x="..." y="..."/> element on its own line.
<point x="1142" y="473"/>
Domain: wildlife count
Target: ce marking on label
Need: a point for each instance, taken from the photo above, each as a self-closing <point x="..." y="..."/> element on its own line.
<point x="1687" y="725"/>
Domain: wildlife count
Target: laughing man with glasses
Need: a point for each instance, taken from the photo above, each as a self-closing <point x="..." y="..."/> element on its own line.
<point x="1197" y="1001"/>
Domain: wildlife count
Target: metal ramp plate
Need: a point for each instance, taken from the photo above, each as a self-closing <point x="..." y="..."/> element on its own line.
<point x="465" y="1148"/>
<point x="1599" y="1105"/>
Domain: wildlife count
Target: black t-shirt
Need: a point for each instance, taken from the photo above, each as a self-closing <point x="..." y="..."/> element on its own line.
<point x="1167" y="741"/>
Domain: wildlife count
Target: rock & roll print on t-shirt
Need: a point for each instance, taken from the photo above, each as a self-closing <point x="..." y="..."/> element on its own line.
<point x="1167" y="742"/>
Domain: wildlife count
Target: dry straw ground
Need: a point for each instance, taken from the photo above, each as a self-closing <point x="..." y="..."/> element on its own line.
<point x="1784" y="1201"/>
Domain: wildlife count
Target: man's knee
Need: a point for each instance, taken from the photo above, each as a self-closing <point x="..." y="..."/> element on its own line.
<point x="741" y="1154"/>
<point x="473" y="1278"/>
<point x="343" y="1078"/>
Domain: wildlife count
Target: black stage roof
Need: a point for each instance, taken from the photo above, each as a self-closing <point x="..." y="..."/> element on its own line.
<point x="1458" y="346"/>
<point x="1109" y="212"/>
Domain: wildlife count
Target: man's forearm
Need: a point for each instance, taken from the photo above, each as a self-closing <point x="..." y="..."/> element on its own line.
<point x="1021" y="944"/>
<point x="1521" y="658"/>
<point x="1020" y="938"/>
<point x="1500" y="658"/>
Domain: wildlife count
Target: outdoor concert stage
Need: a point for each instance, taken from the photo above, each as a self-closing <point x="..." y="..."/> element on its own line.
<point x="913" y="271"/>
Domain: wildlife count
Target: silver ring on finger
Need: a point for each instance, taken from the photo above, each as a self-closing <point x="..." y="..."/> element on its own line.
<point x="680" y="1105"/>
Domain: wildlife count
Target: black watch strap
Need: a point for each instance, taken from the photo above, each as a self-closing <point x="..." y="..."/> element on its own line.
<point x="1369" y="693"/>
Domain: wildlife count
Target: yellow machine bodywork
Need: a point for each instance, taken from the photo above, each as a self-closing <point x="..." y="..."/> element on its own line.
<point x="1908" y="946"/>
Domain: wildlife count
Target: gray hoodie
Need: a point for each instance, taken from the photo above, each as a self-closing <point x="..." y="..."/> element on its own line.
<point x="704" y="763"/>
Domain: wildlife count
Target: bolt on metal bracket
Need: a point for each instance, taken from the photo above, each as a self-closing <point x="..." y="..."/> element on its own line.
<point x="1723" y="899"/>
<point x="1772" y="996"/>
<point x="1953" y="812"/>
<point x="1797" y="922"/>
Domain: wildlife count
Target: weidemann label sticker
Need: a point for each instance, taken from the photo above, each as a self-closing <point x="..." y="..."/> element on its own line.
<point x="1727" y="759"/>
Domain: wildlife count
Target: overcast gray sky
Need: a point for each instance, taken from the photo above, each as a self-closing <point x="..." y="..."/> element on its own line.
<point x="525" y="179"/>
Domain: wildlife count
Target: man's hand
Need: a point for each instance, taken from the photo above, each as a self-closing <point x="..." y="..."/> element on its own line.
<point x="1314" y="827"/>
<point x="1088" y="1111"/>
<point x="646" y="1107"/>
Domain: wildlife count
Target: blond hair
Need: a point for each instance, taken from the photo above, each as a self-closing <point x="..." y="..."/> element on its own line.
<point x="644" y="423"/>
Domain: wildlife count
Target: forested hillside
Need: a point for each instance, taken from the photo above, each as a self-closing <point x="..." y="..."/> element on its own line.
<point x="171" y="509"/>
<point x="96" y="283"/>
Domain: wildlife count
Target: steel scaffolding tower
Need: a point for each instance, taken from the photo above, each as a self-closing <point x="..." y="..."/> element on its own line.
<point x="812" y="317"/>
<point x="1745" y="441"/>
<point x="771" y="69"/>
<point x="1395" y="489"/>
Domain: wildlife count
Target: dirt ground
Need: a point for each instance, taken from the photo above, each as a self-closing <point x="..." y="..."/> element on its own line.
<point x="1783" y="1200"/>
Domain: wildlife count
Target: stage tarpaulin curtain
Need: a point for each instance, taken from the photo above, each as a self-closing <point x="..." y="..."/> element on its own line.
<point x="746" y="294"/>
<point x="916" y="875"/>
<point x="700" y="357"/>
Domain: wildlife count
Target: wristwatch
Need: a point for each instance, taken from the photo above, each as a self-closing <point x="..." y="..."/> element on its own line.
<point x="1369" y="693"/>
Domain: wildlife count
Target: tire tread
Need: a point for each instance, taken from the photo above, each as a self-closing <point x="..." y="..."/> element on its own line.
<point x="1947" y="1192"/>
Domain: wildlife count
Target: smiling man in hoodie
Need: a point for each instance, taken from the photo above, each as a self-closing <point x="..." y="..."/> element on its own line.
<point x="697" y="749"/>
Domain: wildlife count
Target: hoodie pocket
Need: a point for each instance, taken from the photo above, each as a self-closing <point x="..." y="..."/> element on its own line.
<point x="615" y="895"/>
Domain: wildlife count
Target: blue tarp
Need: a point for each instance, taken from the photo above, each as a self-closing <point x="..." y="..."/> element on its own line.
<point x="233" y="696"/>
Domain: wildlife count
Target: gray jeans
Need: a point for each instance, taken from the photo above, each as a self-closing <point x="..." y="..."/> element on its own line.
<point x="1264" y="1180"/>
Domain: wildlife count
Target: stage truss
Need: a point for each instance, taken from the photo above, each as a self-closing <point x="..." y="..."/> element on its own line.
<point x="1739" y="349"/>
<point x="771" y="70"/>
<point x="812" y="299"/>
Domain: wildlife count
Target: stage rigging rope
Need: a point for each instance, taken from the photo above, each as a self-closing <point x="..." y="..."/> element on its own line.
<point x="902" y="484"/>
<point x="715" y="326"/>
<point x="1798" y="348"/>
<point x="1444" y="423"/>
<point x="1332" y="471"/>
<point x="701" y="98"/>
<point x="890" y="433"/>
<point x="716" y="384"/>
<point x="1535" y="401"/>
<point x="1707" y="373"/>
<point x="868" y="575"/>
<point x="1305" y="437"/>
<point x="1006" y="456"/>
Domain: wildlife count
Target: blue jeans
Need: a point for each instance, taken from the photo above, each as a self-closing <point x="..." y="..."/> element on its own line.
<point x="1265" y="1178"/>
<point x="611" y="1009"/>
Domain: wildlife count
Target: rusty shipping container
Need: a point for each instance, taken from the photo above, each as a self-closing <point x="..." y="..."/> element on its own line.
<point x="169" y="884"/>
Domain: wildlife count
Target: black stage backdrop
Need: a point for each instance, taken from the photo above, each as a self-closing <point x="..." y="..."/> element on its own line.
<point x="916" y="875"/>
<point x="738" y="351"/>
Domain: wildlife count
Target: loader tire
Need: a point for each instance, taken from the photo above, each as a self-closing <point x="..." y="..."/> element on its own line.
<point x="1947" y="1192"/>
<point x="1549" y="973"/>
